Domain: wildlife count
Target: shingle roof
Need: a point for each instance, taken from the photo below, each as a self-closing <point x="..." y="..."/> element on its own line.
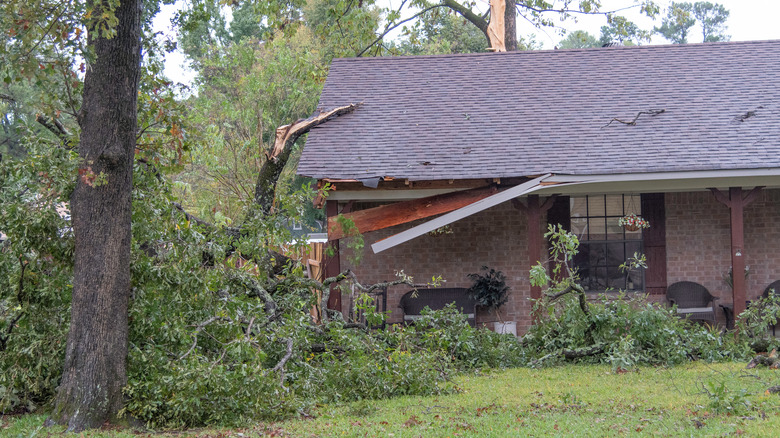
<point x="525" y="113"/>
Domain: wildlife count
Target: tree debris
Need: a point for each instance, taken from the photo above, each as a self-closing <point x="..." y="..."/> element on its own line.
<point x="742" y="117"/>
<point x="652" y="112"/>
<point x="277" y="157"/>
<point x="771" y="360"/>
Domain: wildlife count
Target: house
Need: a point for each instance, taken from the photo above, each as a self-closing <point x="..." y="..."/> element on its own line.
<point x="498" y="145"/>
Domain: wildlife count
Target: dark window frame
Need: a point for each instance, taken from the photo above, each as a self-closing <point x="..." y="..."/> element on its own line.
<point x="599" y="272"/>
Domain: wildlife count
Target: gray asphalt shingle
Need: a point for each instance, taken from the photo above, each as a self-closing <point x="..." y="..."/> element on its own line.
<point x="524" y="113"/>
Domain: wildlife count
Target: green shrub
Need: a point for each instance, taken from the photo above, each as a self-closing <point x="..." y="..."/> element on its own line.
<point x="623" y="330"/>
<point x="754" y="323"/>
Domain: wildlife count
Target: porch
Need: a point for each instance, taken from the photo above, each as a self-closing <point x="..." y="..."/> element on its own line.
<point x="693" y="242"/>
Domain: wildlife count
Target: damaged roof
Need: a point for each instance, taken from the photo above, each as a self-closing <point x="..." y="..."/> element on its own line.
<point x="712" y="106"/>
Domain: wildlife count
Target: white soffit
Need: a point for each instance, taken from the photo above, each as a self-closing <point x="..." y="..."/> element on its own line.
<point x="453" y="216"/>
<point x="660" y="181"/>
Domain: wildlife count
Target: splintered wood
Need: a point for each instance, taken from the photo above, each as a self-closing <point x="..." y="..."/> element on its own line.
<point x="390" y="215"/>
<point x="294" y="130"/>
<point x="496" y="27"/>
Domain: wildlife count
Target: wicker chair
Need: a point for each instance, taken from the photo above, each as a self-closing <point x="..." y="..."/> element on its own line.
<point x="773" y="288"/>
<point x="413" y="302"/>
<point x="693" y="301"/>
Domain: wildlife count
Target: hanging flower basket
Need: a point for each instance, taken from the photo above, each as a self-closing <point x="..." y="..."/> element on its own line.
<point x="632" y="222"/>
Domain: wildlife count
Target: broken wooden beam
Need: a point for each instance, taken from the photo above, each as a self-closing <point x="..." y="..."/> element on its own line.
<point x="386" y="216"/>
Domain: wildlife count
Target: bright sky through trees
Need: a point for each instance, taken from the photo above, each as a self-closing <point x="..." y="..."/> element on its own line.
<point x="749" y="20"/>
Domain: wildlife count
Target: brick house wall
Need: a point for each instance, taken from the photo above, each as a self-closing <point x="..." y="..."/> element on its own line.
<point x="697" y="239"/>
<point x="495" y="238"/>
<point x="699" y="242"/>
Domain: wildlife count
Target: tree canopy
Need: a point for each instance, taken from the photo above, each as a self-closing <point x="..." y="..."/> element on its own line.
<point x="681" y="18"/>
<point x="579" y="39"/>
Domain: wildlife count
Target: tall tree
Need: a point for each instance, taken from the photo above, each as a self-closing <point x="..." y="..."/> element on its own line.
<point x="712" y="19"/>
<point x="678" y="22"/>
<point x="622" y="31"/>
<point x="578" y="39"/>
<point x="95" y="360"/>
<point x="682" y="17"/>
<point x="540" y="13"/>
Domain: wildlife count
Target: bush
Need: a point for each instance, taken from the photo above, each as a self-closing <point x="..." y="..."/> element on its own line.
<point x="755" y="321"/>
<point x="624" y="331"/>
<point x="35" y="277"/>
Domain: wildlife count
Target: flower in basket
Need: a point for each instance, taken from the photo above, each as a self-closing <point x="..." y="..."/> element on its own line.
<point x="633" y="222"/>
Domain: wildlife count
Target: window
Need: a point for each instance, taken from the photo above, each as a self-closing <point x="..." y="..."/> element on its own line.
<point x="605" y="245"/>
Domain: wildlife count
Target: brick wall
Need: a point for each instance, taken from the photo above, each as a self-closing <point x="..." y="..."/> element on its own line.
<point x="698" y="242"/>
<point x="495" y="237"/>
<point x="698" y="249"/>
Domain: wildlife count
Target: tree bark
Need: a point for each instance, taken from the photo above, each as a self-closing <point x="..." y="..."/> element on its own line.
<point x="510" y="26"/>
<point x="90" y="392"/>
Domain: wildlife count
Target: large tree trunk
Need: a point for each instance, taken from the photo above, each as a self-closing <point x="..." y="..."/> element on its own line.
<point x="90" y="392"/>
<point x="510" y="26"/>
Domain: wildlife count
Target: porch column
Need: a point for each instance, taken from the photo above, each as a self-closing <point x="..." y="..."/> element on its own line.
<point x="534" y="214"/>
<point x="333" y="262"/>
<point x="736" y="203"/>
<point x="737" y="249"/>
<point x="534" y="211"/>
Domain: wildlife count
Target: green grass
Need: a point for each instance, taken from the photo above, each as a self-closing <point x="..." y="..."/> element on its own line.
<point x="582" y="401"/>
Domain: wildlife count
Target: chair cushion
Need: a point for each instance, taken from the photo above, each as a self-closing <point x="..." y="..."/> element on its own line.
<point x="695" y="310"/>
<point x="416" y="317"/>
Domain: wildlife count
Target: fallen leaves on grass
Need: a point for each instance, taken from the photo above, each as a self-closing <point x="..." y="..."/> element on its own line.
<point x="412" y="421"/>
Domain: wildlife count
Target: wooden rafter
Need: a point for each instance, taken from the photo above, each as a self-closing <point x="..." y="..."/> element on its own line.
<point x="390" y="215"/>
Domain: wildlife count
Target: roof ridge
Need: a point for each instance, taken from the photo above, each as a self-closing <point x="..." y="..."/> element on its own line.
<point x="689" y="46"/>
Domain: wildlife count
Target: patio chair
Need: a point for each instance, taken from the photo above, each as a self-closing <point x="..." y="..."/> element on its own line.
<point x="693" y="301"/>
<point x="773" y="288"/>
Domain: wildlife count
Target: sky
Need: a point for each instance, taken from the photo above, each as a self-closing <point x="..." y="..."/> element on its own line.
<point x="749" y="20"/>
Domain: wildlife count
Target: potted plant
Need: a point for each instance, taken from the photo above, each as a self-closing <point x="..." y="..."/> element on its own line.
<point x="490" y="291"/>
<point x="632" y="222"/>
<point x="728" y="277"/>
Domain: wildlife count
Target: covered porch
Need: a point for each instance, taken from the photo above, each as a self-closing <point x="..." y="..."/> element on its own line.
<point x="702" y="223"/>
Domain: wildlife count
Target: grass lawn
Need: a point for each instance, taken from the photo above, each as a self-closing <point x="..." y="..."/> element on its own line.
<point x="582" y="401"/>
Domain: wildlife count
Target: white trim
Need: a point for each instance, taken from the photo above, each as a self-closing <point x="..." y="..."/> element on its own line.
<point x="631" y="182"/>
<point x="476" y="207"/>
<point x="660" y="182"/>
<point x="654" y="176"/>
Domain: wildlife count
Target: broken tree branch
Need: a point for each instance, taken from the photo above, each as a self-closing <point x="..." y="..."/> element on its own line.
<point x="56" y="128"/>
<point x="268" y="177"/>
<point x="393" y="26"/>
<point x="280" y="366"/>
<point x="198" y="329"/>
<point x="633" y="121"/>
<point x="286" y="357"/>
<point x="771" y="360"/>
<point x="231" y="231"/>
<point x="256" y="290"/>
<point x="19" y="295"/>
